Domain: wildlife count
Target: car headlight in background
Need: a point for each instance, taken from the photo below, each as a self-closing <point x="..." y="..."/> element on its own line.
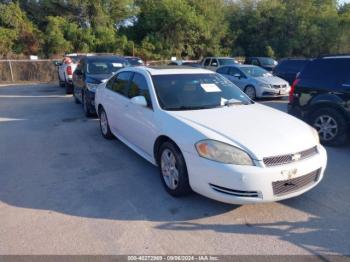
<point x="222" y="152"/>
<point x="92" y="87"/>
<point x="265" y="86"/>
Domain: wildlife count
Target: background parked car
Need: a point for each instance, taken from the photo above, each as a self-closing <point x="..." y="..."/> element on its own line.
<point x="265" y="62"/>
<point x="255" y="81"/>
<point x="90" y="72"/>
<point x="65" y="71"/>
<point x="184" y="63"/>
<point x="321" y="96"/>
<point x="134" y="61"/>
<point x="289" y="68"/>
<point x="212" y="63"/>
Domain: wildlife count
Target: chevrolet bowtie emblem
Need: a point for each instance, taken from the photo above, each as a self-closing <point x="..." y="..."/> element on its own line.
<point x="296" y="157"/>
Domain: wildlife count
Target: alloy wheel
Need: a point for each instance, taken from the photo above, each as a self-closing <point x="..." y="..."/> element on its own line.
<point x="250" y="92"/>
<point x="104" y="123"/>
<point x="169" y="169"/>
<point x="327" y="127"/>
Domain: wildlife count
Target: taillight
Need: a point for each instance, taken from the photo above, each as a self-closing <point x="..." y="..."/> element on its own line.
<point x="69" y="70"/>
<point x="292" y="90"/>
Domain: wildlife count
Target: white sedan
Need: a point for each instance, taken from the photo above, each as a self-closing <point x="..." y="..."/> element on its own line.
<point x="206" y="135"/>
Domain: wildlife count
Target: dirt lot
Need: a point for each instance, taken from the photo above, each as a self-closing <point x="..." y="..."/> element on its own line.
<point x="66" y="190"/>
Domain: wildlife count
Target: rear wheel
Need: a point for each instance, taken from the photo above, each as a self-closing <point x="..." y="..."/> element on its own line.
<point x="250" y="91"/>
<point x="173" y="170"/>
<point x="330" y="125"/>
<point x="104" y="125"/>
<point x="76" y="100"/>
<point x="86" y="106"/>
<point x="69" y="88"/>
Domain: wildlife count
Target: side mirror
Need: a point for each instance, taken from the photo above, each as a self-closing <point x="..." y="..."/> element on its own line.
<point x="139" y="100"/>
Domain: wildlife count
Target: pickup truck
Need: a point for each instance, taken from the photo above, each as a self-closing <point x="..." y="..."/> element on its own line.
<point x="65" y="70"/>
<point x="212" y="63"/>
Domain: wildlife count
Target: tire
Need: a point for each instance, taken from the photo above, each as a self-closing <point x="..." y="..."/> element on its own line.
<point x="69" y="89"/>
<point x="76" y="100"/>
<point x="331" y="125"/>
<point x="176" y="185"/>
<point x="86" y="106"/>
<point x="60" y="83"/>
<point x="104" y="125"/>
<point x="251" y="92"/>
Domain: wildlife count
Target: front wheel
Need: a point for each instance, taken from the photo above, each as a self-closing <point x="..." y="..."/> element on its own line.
<point x="69" y="88"/>
<point x="173" y="170"/>
<point x="104" y="125"/>
<point x="250" y="92"/>
<point x="330" y="125"/>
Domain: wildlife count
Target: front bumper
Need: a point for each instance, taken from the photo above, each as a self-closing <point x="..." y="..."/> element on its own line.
<point x="273" y="92"/>
<point x="252" y="184"/>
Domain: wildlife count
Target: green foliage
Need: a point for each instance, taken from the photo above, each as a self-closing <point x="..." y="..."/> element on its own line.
<point x="159" y="29"/>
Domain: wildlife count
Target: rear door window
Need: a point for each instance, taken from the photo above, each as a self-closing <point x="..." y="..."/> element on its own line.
<point x="214" y="62"/>
<point x="223" y="70"/>
<point x="207" y="62"/>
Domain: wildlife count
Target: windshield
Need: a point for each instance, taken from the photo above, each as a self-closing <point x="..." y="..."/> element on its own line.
<point x="267" y="61"/>
<point x="254" y="71"/>
<point x="196" y="91"/>
<point x="103" y="67"/>
<point x="227" y="61"/>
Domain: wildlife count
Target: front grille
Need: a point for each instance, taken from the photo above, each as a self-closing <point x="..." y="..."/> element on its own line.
<point x="286" y="159"/>
<point x="233" y="192"/>
<point x="295" y="184"/>
<point x="279" y="86"/>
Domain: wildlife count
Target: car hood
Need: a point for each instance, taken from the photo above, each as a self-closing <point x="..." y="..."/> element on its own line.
<point x="98" y="78"/>
<point x="271" y="80"/>
<point x="260" y="130"/>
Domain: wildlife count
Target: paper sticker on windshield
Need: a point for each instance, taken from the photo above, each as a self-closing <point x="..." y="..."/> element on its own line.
<point x="117" y="64"/>
<point x="210" y="88"/>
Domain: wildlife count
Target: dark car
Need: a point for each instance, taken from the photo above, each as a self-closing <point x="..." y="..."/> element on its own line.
<point x="289" y="68"/>
<point x="134" y="61"/>
<point x="321" y="96"/>
<point x="265" y="62"/>
<point x="184" y="63"/>
<point x="90" y="72"/>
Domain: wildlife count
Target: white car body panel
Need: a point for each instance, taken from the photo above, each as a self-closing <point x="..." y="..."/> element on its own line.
<point x="259" y="130"/>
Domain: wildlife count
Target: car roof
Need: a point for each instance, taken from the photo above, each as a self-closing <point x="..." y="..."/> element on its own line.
<point x="240" y="65"/>
<point x="104" y="58"/>
<point x="220" y="57"/>
<point x="170" y="70"/>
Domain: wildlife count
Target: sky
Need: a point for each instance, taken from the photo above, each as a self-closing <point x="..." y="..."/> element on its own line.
<point x="344" y="1"/>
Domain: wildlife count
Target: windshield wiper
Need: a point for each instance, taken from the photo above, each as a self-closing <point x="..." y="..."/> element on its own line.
<point x="190" y="107"/>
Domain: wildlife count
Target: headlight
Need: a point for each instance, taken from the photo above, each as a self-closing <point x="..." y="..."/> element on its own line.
<point x="224" y="153"/>
<point x="92" y="87"/>
<point x="266" y="86"/>
<point x="315" y="133"/>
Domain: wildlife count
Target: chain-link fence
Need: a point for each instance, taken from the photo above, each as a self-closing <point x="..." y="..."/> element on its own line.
<point x="27" y="70"/>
